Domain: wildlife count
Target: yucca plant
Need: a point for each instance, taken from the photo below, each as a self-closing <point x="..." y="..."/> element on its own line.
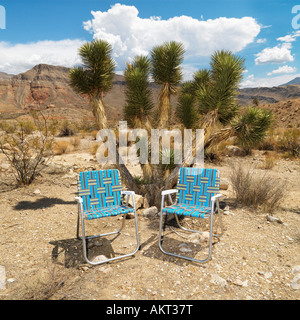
<point x="95" y="76"/>
<point x="139" y="103"/>
<point x="251" y="127"/>
<point x="218" y="87"/>
<point x="166" y="71"/>
<point x="186" y="110"/>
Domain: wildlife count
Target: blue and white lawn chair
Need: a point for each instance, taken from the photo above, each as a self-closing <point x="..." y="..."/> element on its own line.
<point x="99" y="196"/>
<point x="197" y="196"/>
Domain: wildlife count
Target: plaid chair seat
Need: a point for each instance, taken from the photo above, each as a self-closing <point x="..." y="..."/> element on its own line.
<point x="197" y="196"/>
<point x="100" y="195"/>
<point x="107" y="212"/>
<point x="188" y="210"/>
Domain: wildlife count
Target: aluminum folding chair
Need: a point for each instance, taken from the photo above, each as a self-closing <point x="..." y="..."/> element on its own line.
<point x="99" y="196"/>
<point x="197" y="196"/>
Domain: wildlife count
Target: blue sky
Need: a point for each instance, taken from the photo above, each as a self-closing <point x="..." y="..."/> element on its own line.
<point x="51" y="31"/>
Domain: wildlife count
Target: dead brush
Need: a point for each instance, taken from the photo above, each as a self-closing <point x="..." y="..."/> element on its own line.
<point x="289" y="142"/>
<point x="45" y="285"/>
<point x="257" y="190"/>
<point x="27" y="147"/>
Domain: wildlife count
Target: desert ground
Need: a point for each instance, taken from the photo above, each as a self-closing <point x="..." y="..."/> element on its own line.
<point x="257" y="258"/>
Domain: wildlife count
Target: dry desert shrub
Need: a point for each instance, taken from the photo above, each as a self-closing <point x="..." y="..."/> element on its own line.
<point x="289" y="142"/>
<point x="283" y="140"/>
<point x="27" y="147"/>
<point x="257" y="190"/>
<point x="45" y="285"/>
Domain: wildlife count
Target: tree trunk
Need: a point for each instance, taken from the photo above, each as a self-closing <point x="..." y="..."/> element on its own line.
<point x="99" y="111"/>
<point x="101" y="120"/>
<point x="164" y="107"/>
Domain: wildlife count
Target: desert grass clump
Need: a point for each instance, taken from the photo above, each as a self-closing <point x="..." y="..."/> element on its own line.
<point x="270" y="160"/>
<point x="67" y="129"/>
<point x="60" y="147"/>
<point x="256" y="190"/>
<point x="75" y="141"/>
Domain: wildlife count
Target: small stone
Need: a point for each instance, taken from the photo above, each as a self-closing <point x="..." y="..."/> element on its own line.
<point x="99" y="258"/>
<point x="37" y="191"/>
<point x="224" y="184"/>
<point x="10" y="280"/>
<point x="2" y="277"/>
<point x="139" y="201"/>
<point x="296" y="269"/>
<point x="241" y="283"/>
<point x="273" y="219"/>
<point x="268" y="275"/>
<point x="217" y="280"/>
<point x="106" y="270"/>
<point x="296" y="282"/>
<point x="150" y="212"/>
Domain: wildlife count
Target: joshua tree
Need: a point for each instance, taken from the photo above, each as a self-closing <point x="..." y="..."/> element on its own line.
<point x="138" y="94"/>
<point x="166" y="71"/>
<point x="215" y="91"/>
<point x="95" y="76"/>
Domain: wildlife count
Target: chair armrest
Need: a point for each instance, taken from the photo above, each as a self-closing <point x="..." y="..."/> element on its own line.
<point x="217" y="196"/>
<point x="79" y="199"/>
<point x="128" y="193"/>
<point x="170" y="191"/>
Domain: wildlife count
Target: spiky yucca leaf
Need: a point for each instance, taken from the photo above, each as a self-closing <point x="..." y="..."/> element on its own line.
<point x="138" y="94"/>
<point x="95" y="76"/>
<point x="218" y="87"/>
<point x="251" y="127"/>
<point x="186" y="111"/>
<point x="166" y="70"/>
<point x="166" y="61"/>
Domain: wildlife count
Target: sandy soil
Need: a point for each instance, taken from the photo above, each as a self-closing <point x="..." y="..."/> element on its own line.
<point x="254" y="259"/>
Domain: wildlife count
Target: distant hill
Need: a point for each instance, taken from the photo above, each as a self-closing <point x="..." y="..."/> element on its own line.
<point x="268" y="94"/>
<point x="294" y="81"/>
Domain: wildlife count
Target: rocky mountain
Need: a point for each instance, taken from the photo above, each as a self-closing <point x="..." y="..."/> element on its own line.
<point x="46" y="87"/>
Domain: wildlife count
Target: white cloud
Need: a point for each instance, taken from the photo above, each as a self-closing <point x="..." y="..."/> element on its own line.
<point x="252" y="82"/>
<point x="17" y="58"/>
<point x="280" y="53"/>
<point x="131" y="35"/>
<point x="290" y="37"/>
<point x="263" y="40"/>
<point x="283" y="70"/>
<point x="277" y="54"/>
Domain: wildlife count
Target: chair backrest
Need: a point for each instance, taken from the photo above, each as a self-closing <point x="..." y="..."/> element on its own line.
<point x="100" y="188"/>
<point x="196" y="186"/>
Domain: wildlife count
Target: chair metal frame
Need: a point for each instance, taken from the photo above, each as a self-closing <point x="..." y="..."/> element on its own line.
<point x="82" y="217"/>
<point x="214" y="200"/>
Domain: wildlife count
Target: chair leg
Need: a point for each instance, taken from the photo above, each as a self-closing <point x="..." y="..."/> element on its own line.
<point x="181" y="256"/>
<point x="85" y="238"/>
